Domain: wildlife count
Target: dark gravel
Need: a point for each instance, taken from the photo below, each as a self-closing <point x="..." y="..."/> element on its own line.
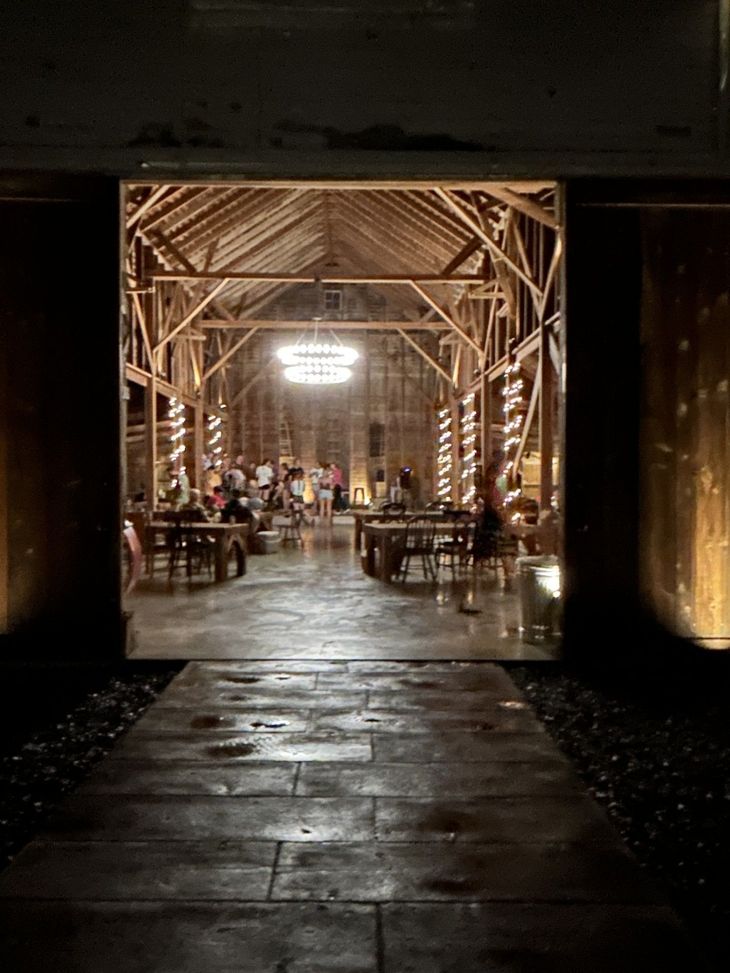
<point x="658" y="759"/>
<point x="55" y="725"/>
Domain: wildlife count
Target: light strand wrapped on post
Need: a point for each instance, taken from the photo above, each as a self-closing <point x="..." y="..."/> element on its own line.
<point x="444" y="462"/>
<point x="176" y="415"/>
<point x="513" y="420"/>
<point x="468" y="442"/>
<point x="316" y="363"/>
<point x="215" y="434"/>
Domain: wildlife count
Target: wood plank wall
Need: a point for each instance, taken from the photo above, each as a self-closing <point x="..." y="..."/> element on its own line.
<point x="685" y="441"/>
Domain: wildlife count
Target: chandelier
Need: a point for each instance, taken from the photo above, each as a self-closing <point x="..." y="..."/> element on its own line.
<point x="316" y="363"/>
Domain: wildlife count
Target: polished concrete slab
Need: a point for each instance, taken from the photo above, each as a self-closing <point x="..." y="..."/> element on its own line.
<point x="314" y="601"/>
<point x="426" y="823"/>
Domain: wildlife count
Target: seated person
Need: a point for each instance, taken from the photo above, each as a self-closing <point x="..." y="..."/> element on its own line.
<point x="194" y="510"/>
<point x="253" y="496"/>
<point x="236" y="510"/>
<point x="215" y="500"/>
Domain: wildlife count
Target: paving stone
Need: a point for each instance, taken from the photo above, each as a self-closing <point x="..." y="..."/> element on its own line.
<point x="276" y="666"/>
<point x="242" y="679"/>
<point x="464" y="747"/>
<point x="526" y="938"/>
<point x="228" y="748"/>
<point x="407" y="872"/>
<point x="87" y="817"/>
<point x="446" y="701"/>
<point x="529" y="820"/>
<point x="425" y="780"/>
<point x="482" y="678"/>
<point x="493" y="720"/>
<point x="257" y="697"/>
<point x="239" y="870"/>
<point x="221" y="719"/>
<point x="158" y="777"/>
<point x="164" y="937"/>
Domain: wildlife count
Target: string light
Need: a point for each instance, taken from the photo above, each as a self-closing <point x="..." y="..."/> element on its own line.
<point x="512" y="427"/>
<point x="468" y="440"/>
<point x="444" y="460"/>
<point x="215" y="434"/>
<point x="176" y="415"/>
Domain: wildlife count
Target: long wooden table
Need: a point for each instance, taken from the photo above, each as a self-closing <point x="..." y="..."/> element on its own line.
<point x="377" y="516"/>
<point x="227" y="538"/>
<point x="382" y="544"/>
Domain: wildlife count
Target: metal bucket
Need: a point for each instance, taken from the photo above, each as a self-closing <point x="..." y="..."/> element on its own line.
<point x="539" y="593"/>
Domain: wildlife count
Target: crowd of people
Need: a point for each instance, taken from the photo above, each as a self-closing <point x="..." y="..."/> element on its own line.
<point x="234" y="484"/>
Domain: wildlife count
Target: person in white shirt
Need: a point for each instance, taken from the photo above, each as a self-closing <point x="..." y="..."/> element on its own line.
<point x="264" y="476"/>
<point x="315" y="474"/>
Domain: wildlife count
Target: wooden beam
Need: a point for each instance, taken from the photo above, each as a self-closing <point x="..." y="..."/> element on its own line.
<point x="269" y="324"/>
<point x="140" y="377"/>
<point x="528" y="422"/>
<point x="494" y="248"/>
<point x="523" y="204"/>
<point x="359" y="185"/>
<point x="425" y="355"/>
<point x="547" y="376"/>
<point x="143" y="328"/>
<point x="150" y="443"/>
<point x="258" y="278"/>
<point x="446" y="316"/>
<point x="229" y="354"/>
<point x="551" y="275"/>
<point x="201" y="305"/>
<point x="156" y="195"/>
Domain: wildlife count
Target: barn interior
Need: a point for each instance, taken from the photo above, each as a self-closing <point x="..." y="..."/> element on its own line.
<point x="449" y="293"/>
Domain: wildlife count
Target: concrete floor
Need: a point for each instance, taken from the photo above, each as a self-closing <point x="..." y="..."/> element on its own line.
<point x="334" y="817"/>
<point x="315" y="602"/>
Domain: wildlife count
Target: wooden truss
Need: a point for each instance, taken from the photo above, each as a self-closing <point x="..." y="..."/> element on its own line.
<point x="470" y="274"/>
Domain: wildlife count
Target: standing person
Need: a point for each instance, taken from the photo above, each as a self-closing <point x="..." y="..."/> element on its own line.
<point x="337" y="486"/>
<point x="296" y="488"/>
<point x="315" y="474"/>
<point x="264" y="477"/>
<point x="326" y="493"/>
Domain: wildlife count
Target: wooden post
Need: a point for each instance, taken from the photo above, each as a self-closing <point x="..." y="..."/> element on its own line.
<point x="150" y="435"/>
<point x="198" y="443"/>
<point x="455" y="441"/>
<point x="547" y="375"/>
<point x="485" y="438"/>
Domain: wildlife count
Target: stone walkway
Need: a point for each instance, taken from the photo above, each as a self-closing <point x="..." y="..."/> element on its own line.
<point x="312" y="817"/>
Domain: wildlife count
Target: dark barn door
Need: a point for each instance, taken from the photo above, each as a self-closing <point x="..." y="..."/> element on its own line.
<point x="59" y="417"/>
<point x="647" y="486"/>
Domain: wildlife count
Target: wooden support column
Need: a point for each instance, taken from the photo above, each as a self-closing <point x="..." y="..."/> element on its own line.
<point x="455" y="440"/>
<point x="150" y="435"/>
<point x="485" y="438"/>
<point x="547" y="385"/>
<point x="198" y="443"/>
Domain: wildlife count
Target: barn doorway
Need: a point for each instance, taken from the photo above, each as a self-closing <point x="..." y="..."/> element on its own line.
<point x="450" y="295"/>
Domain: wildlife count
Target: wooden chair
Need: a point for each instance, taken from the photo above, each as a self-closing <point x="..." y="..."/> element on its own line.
<point x="195" y="549"/>
<point x="419" y="542"/>
<point x="456" y="551"/>
<point x="291" y="532"/>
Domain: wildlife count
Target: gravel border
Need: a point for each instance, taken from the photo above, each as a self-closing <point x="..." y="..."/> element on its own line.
<point x="658" y="759"/>
<point x="56" y="726"/>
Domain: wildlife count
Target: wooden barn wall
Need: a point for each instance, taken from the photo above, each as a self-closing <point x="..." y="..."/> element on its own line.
<point x="685" y="456"/>
<point x="60" y="417"/>
<point x="308" y="86"/>
<point x="391" y="386"/>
